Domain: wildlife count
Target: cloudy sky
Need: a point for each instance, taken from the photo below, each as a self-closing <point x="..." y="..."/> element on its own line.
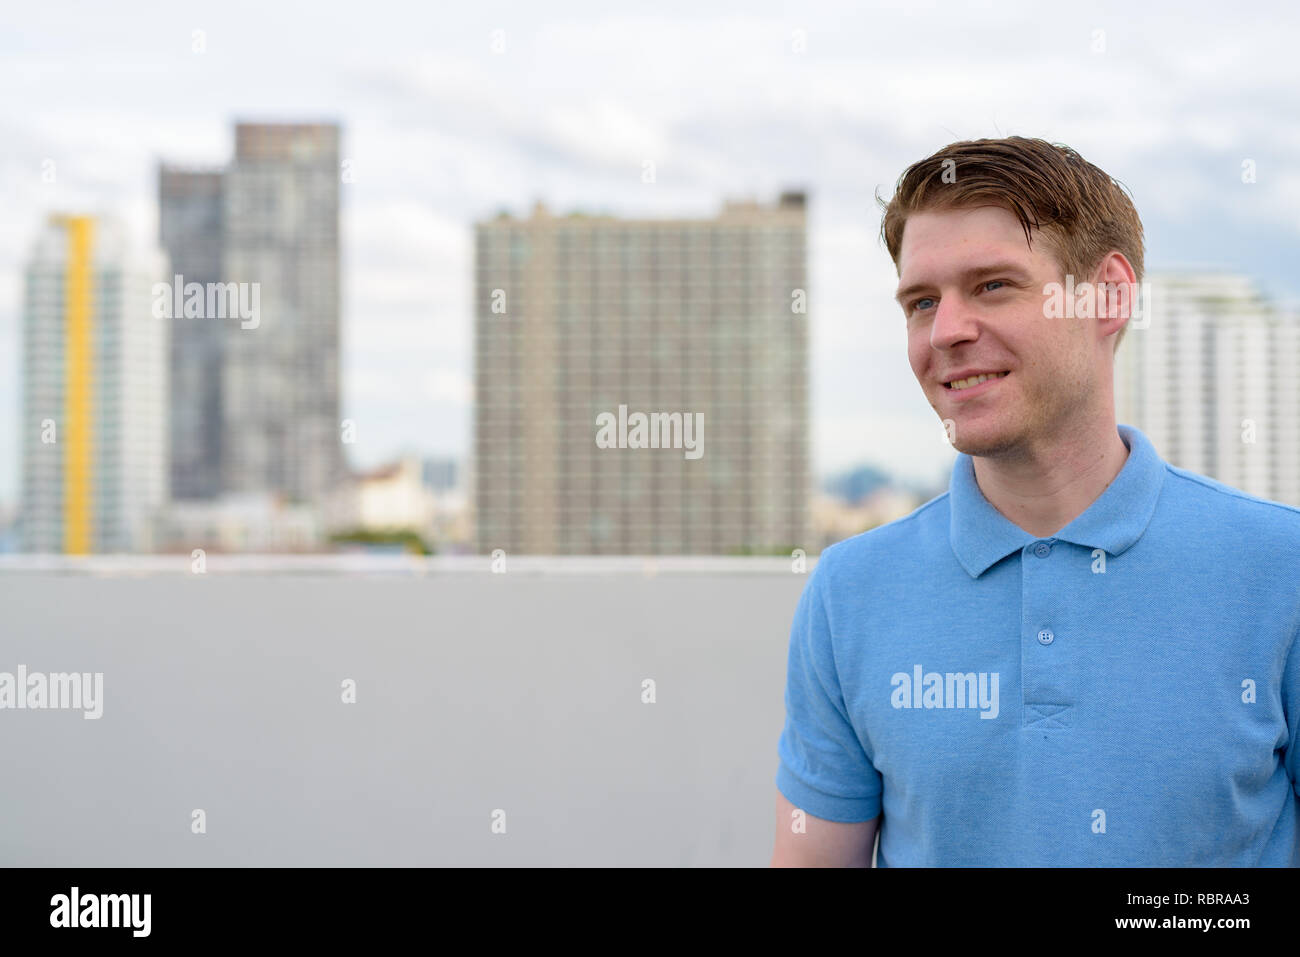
<point x="442" y="130"/>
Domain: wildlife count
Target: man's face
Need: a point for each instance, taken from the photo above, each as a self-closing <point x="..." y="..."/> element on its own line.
<point x="972" y="294"/>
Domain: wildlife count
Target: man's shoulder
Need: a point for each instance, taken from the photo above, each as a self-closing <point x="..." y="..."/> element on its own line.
<point x="1223" y="511"/>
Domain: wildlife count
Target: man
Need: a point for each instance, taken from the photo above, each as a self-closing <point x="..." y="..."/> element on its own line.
<point x="1079" y="654"/>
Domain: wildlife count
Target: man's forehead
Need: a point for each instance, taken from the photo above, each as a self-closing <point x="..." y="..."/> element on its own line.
<point x="960" y="239"/>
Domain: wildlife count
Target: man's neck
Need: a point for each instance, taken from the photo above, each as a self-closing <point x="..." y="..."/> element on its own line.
<point x="1044" y="489"/>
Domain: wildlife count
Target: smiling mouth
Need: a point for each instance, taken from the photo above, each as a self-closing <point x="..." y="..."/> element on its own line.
<point x="958" y="385"/>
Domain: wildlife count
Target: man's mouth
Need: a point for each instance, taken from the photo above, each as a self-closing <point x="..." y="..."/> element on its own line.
<point x="958" y="384"/>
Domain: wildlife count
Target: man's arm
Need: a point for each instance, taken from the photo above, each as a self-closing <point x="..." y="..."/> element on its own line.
<point x="825" y="844"/>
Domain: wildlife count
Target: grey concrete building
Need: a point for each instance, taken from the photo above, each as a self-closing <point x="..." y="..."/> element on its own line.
<point x="584" y="322"/>
<point x="259" y="403"/>
<point x="190" y="229"/>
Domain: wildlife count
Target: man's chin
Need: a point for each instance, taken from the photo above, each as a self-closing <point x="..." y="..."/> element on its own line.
<point x="982" y="442"/>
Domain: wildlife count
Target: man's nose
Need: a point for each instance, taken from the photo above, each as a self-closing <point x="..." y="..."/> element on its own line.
<point x="954" y="322"/>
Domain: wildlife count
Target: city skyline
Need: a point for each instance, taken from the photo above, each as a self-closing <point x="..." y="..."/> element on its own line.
<point x="440" y="130"/>
<point x="600" y="308"/>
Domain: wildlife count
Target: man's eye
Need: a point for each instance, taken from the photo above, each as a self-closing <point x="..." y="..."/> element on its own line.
<point x="920" y="303"/>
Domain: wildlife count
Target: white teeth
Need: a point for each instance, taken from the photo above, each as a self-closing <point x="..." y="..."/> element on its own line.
<point x="973" y="380"/>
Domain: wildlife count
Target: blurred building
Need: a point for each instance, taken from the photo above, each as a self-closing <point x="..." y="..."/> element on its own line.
<point x="447" y="482"/>
<point x="835" y="519"/>
<point x="239" y="524"/>
<point x="256" y="405"/>
<point x="1212" y="375"/>
<point x="578" y="316"/>
<point x="8" y="529"/>
<point x="94" y="391"/>
<point x="421" y="496"/>
<point x="190" y="217"/>
<point x="394" y="497"/>
<point x="442" y="474"/>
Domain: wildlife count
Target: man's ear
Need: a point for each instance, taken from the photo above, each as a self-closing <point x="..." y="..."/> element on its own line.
<point x="1115" y="285"/>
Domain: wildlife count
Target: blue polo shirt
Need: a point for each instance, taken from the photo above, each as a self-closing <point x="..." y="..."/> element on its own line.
<point x="1123" y="693"/>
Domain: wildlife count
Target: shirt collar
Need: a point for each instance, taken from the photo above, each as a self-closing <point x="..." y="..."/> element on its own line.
<point x="982" y="536"/>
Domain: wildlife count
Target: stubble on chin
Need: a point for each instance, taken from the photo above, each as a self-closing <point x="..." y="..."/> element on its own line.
<point x="988" y="446"/>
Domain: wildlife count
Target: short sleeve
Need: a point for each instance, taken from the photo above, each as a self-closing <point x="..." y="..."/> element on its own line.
<point x="823" y="768"/>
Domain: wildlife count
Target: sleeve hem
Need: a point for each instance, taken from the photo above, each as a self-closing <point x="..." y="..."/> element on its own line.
<point x="828" y="807"/>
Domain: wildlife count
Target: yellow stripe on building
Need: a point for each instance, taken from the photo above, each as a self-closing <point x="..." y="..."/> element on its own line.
<point x="78" y="384"/>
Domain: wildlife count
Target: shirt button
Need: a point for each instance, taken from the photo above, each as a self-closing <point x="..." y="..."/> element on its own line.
<point x="1042" y="549"/>
<point x="1045" y="637"/>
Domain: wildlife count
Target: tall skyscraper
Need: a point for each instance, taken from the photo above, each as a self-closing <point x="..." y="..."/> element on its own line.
<point x="94" y="391"/>
<point x="190" y="229"/>
<point x="1212" y="376"/>
<point x="259" y="402"/>
<point x="585" y="323"/>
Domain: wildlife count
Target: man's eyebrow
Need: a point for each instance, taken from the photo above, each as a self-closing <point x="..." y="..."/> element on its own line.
<point x="1006" y="268"/>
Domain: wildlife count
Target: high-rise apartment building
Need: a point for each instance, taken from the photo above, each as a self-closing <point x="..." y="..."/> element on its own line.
<point x="94" y="391"/>
<point x="190" y="229"/>
<point x="1212" y="375"/>
<point x="583" y="324"/>
<point x="259" y="403"/>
